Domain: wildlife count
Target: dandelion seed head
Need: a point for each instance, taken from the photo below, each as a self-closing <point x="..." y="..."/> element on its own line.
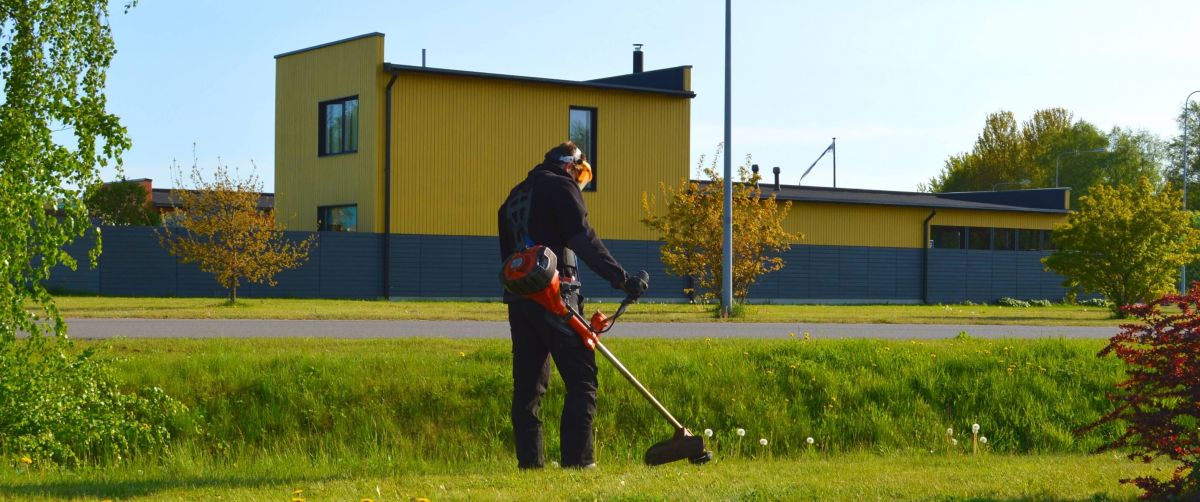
<point x="950" y="432"/>
<point x="741" y="432"/>
<point x="954" y="442"/>
<point x="809" y="440"/>
<point x="708" y="433"/>
<point x="974" y="428"/>
<point x="983" y="439"/>
<point x="762" y="441"/>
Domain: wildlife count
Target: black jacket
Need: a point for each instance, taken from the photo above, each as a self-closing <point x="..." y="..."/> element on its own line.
<point x="558" y="219"/>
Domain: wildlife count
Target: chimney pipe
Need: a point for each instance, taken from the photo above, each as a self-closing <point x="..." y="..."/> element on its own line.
<point x="754" y="169"/>
<point x="776" y="171"/>
<point x="637" y="58"/>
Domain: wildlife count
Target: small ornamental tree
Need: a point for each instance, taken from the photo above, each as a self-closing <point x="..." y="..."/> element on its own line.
<point x="691" y="231"/>
<point x="1125" y="242"/>
<point x="223" y="231"/>
<point x="121" y="203"/>
<point x="1159" y="401"/>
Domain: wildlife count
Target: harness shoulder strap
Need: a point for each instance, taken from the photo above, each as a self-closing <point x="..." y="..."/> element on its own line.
<point x="517" y="209"/>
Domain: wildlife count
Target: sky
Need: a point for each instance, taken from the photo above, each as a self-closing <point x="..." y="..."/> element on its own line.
<point x="901" y="85"/>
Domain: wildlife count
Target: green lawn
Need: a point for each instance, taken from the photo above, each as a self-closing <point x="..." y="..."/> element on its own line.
<point x="408" y="418"/>
<point x="211" y="308"/>
<point x="840" y="477"/>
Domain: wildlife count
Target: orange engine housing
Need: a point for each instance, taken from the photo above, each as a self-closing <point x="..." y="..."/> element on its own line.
<point x="533" y="274"/>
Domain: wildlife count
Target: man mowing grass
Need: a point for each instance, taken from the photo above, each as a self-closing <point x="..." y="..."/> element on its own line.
<point x="547" y="209"/>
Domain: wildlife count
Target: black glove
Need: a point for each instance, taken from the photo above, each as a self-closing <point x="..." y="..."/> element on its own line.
<point x="635" y="286"/>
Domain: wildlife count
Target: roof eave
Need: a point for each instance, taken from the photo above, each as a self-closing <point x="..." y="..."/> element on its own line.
<point x="397" y="68"/>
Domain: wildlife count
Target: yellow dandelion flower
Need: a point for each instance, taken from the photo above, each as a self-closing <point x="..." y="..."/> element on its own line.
<point x="807" y="335"/>
<point x="462" y="354"/>
<point x="420" y="499"/>
<point x="26" y="460"/>
<point x="792" y="334"/>
<point x="367" y="500"/>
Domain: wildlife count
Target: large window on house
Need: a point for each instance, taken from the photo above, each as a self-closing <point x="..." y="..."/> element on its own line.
<point x="979" y="238"/>
<point x="1029" y="240"/>
<point x="337" y="218"/>
<point x="581" y="129"/>
<point x="1004" y="239"/>
<point x="338" y="129"/>
<point x="984" y="238"/>
<point x="941" y="237"/>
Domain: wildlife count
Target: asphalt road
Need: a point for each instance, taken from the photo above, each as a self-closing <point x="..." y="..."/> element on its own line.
<point x="206" y="328"/>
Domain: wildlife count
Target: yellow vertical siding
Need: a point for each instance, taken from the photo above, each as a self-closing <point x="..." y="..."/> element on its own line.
<point x="304" y="181"/>
<point x="462" y="142"/>
<point x="895" y="226"/>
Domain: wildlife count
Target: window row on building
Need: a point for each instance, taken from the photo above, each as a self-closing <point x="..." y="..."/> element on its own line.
<point x="1002" y="239"/>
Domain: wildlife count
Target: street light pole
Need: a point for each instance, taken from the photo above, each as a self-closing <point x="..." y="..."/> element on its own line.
<point x="727" y="251"/>
<point x="1184" y="172"/>
<point x="1071" y="152"/>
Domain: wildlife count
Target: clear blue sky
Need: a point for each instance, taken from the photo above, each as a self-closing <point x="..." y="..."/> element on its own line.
<point x="902" y="85"/>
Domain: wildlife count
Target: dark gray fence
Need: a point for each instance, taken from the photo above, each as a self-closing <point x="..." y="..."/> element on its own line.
<point x="349" y="265"/>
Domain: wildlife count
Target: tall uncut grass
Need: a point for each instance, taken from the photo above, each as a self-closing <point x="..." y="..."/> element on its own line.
<point x="415" y="402"/>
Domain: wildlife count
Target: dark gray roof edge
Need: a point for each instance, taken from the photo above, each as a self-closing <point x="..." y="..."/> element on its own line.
<point x="936" y="203"/>
<point x="1059" y="189"/>
<point x="930" y="199"/>
<point x="396" y="68"/>
<point x="647" y="72"/>
<point x="327" y="44"/>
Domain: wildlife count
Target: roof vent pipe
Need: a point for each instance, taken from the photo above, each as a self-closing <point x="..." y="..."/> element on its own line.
<point x="637" y="58"/>
<point x="776" y="171"/>
<point x="754" y="169"/>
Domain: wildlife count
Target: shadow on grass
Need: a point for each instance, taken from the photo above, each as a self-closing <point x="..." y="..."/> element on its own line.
<point x="119" y="489"/>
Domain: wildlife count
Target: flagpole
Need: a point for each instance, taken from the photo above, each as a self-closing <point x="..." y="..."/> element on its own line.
<point x="834" y="147"/>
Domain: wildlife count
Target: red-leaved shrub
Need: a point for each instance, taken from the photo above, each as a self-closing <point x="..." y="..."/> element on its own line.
<point x="1159" y="401"/>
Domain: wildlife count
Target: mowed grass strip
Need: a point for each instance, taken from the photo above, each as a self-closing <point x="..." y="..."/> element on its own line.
<point x="307" y="309"/>
<point x="851" y="477"/>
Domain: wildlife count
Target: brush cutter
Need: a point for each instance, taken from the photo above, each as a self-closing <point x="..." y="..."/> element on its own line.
<point x="533" y="273"/>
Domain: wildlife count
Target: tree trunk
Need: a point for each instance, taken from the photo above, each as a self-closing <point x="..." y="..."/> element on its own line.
<point x="233" y="295"/>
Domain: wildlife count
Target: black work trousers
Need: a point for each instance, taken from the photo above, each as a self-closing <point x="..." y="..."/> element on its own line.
<point x="537" y="335"/>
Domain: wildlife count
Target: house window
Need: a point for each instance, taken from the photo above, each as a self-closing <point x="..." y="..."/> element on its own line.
<point x="337" y="218"/>
<point x="1048" y="240"/>
<point x="1029" y="240"/>
<point x="946" y="237"/>
<point x="979" y="238"/>
<point x="338" y="126"/>
<point x="581" y="129"/>
<point x="1004" y="239"/>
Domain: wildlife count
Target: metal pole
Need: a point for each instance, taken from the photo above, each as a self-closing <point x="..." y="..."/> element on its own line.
<point x="727" y="248"/>
<point x="1184" y="170"/>
<point x="834" y="146"/>
<point x="1056" y="159"/>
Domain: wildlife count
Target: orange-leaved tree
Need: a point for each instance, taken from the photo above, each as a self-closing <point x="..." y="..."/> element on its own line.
<point x="691" y="230"/>
<point x="221" y="228"/>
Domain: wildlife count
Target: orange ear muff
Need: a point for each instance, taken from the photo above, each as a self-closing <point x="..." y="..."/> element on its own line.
<point x="583" y="173"/>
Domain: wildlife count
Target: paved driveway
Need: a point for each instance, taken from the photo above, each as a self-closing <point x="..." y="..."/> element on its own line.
<point x="204" y="328"/>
